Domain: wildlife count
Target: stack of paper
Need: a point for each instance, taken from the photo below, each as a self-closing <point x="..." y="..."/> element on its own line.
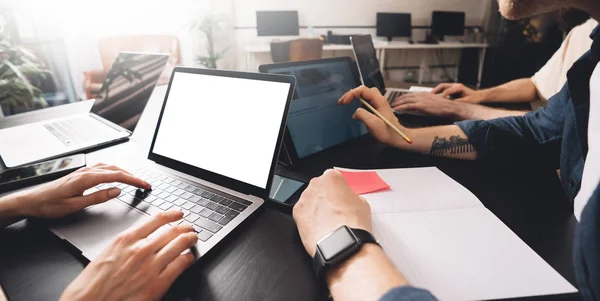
<point x="442" y="238"/>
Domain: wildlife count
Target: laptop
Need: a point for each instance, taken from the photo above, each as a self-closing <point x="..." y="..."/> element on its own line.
<point x="213" y="163"/>
<point x="368" y="67"/>
<point x="113" y="117"/>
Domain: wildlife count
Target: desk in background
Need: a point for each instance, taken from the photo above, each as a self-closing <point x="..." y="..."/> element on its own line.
<point x="382" y="48"/>
<point x="264" y="259"/>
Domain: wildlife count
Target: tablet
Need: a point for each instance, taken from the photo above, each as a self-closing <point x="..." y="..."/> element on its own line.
<point x="316" y="122"/>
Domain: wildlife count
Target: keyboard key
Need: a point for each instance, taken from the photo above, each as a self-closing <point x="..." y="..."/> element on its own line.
<point x="225" y="202"/>
<point x="202" y="202"/>
<point x="183" y="186"/>
<point x="212" y="206"/>
<point x="208" y="225"/>
<point x="158" y="202"/>
<point x="206" y="194"/>
<point x="187" y="205"/>
<point x="194" y="198"/>
<point x="168" y="180"/>
<point x="198" y="191"/>
<point x="237" y="206"/>
<point x="206" y="212"/>
<point x="179" y="201"/>
<point x="176" y="208"/>
<point x="225" y="220"/>
<point x="129" y="189"/>
<point x="161" y="177"/>
<point x="163" y="186"/>
<point x="165" y="206"/>
<point x="149" y="199"/>
<point x="192" y="217"/>
<point x="175" y="183"/>
<point x="232" y="214"/>
<point x="170" y="189"/>
<point x="215" y="198"/>
<point x="171" y="198"/>
<point x="204" y="235"/>
<point x="222" y="209"/>
<point x="196" y="209"/>
<point x="186" y="195"/>
<point x="245" y="202"/>
<point x="164" y="195"/>
<point x="197" y="229"/>
<point x="215" y="217"/>
<point x="185" y="212"/>
<point x="190" y="188"/>
<point x="178" y="192"/>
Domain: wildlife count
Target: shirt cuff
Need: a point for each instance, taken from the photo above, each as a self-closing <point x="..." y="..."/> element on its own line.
<point x="408" y="293"/>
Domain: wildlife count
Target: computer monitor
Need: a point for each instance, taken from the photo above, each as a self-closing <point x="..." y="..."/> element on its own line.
<point x="447" y="24"/>
<point x="277" y="23"/>
<point x="392" y="25"/>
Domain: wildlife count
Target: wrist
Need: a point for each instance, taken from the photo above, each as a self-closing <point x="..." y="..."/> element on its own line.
<point x="12" y="206"/>
<point x="483" y="96"/>
<point x="367" y="275"/>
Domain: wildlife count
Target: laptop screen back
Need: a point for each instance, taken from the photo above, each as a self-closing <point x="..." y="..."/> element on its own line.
<point x="368" y="64"/>
<point x="127" y="88"/>
<point x="226" y="125"/>
<point x="316" y="122"/>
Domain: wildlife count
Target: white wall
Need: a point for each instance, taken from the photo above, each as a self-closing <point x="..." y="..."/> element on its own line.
<point x="349" y="13"/>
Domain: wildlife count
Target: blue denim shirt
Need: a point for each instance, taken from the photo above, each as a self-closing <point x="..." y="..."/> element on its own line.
<point x="554" y="136"/>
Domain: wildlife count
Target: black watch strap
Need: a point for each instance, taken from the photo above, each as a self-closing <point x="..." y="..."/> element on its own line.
<point x="319" y="264"/>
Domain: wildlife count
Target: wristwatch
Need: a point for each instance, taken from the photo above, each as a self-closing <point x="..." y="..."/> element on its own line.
<point x="338" y="246"/>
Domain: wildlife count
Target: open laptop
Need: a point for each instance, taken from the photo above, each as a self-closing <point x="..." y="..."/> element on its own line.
<point x="213" y="163"/>
<point x="368" y="67"/>
<point x="113" y="117"/>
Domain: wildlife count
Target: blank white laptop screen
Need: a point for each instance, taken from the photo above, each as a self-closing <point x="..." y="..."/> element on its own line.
<point x="225" y="125"/>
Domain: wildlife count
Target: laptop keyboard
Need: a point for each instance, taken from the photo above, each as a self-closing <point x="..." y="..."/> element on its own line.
<point x="207" y="212"/>
<point x="75" y="131"/>
<point x="394" y="95"/>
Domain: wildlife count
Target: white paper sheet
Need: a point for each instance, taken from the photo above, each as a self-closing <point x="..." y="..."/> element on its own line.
<point x="442" y="238"/>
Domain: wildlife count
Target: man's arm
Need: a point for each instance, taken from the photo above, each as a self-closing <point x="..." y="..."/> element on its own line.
<point x="532" y="139"/>
<point x="436" y="105"/>
<point x="517" y="91"/>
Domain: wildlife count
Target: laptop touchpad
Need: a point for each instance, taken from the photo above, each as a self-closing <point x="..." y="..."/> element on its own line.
<point x="93" y="229"/>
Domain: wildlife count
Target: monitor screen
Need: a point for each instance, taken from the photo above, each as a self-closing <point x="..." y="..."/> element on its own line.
<point x="394" y="25"/>
<point x="447" y="23"/>
<point x="127" y="88"/>
<point x="368" y="64"/>
<point x="226" y="125"/>
<point x="315" y="121"/>
<point x="277" y="23"/>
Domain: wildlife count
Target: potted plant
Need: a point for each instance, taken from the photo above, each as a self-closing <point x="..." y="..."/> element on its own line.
<point x="208" y="26"/>
<point x="20" y="75"/>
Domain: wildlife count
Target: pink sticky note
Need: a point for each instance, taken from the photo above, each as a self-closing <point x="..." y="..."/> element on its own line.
<point x="364" y="182"/>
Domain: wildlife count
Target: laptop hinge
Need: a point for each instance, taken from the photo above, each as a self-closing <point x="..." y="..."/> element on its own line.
<point x="110" y="123"/>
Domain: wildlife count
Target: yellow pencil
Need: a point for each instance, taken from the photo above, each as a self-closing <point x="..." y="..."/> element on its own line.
<point x="368" y="105"/>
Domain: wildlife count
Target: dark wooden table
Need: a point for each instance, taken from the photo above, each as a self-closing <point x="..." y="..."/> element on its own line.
<point x="264" y="259"/>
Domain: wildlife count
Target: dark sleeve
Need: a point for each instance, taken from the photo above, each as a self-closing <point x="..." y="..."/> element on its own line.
<point x="534" y="138"/>
<point x="587" y="249"/>
<point x="408" y="293"/>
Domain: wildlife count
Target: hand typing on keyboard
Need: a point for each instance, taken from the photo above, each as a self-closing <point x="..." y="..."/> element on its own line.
<point x="66" y="195"/>
<point x="137" y="266"/>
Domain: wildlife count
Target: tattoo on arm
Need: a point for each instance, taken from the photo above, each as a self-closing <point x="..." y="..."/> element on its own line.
<point x="454" y="145"/>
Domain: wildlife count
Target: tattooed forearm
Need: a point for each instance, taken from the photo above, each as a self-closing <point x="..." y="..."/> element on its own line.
<point x="452" y="145"/>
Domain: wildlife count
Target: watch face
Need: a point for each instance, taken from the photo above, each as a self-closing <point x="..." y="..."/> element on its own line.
<point x="338" y="242"/>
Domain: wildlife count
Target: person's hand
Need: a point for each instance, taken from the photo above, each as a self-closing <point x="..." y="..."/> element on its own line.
<point x="137" y="266"/>
<point x="465" y="94"/>
<point x="430" y="104"/>
<point x="327" y="204"/>
<point x="65" y="195"/>
<point x="375" y="125"/>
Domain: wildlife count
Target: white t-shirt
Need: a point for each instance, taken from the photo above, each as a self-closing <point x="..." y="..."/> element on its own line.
<point x="553" y="76"/>
<point x="591" y="170"/>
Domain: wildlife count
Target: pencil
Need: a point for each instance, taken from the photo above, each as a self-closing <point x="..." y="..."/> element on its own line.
<point x="368" y="105"/>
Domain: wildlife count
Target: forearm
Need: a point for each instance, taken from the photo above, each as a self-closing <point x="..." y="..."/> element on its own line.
<point x="10" y="211"/>
<point x="517" y="91"/>
<point x="469" y="111"/>
<point x="444" y="141"/>
<point x="367" y="275"/>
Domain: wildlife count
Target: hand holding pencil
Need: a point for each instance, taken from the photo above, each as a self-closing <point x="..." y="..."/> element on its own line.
<point x="379" y="118"/>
